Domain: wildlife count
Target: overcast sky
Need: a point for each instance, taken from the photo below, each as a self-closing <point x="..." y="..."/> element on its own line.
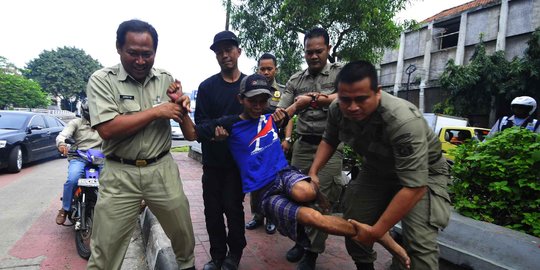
<point x="185" y="28"/>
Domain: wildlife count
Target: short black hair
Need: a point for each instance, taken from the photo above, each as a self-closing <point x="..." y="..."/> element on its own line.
<point x="317" y="32"/>
<point x="267" y="56"/>
<point x="136" y="26"/>
<point x="357" y="71"/>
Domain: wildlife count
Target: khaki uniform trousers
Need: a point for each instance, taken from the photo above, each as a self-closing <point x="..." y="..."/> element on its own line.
<point x="122" y="187"/>
<point x="367" y="197"/>
<point x="330" y="183"/>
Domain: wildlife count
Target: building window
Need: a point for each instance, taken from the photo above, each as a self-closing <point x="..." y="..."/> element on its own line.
<point x="447" y="33"/>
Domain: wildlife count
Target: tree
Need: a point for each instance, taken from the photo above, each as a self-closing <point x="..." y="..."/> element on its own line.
<point x="356" y="28"/>
<point x="482" y="85"/>
<point x="63" y="72"/>
<point x="488" y="83"/>
<point x="7" y="67"/>
<point x="17" y="91"/>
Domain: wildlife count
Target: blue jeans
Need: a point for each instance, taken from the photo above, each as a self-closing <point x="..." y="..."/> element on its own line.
<point x="75" y="171"/>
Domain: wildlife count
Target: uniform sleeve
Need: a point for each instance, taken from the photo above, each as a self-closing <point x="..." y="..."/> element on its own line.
<point x="67" y="132"/>
<point x="287" y="98"/>
<point x="331" y="133"/>
<point x="410" y="149"/>
<point x="101" y="101"/>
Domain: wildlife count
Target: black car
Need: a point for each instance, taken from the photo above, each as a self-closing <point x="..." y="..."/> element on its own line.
<point x="26" y="137"/>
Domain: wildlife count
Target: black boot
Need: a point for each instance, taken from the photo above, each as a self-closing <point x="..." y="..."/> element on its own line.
<point x="213" y="265"/>
<point x="364" y="266"/>
<point x="231" y="262"/>
<point x="308" y="261"/>
<point x="295" y="253"/>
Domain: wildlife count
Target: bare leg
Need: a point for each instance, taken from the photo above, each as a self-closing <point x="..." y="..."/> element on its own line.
<point x="339" y="226"/>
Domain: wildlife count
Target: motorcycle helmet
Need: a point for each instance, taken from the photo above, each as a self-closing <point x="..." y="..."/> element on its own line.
<point x="85" y="112"/>
<point x="525" y="101"/>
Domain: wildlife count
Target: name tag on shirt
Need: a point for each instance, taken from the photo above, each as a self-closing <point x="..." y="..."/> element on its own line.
<point x="127" y="97"/>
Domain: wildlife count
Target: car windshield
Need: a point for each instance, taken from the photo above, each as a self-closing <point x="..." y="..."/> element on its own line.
<point x="12" y="121"/>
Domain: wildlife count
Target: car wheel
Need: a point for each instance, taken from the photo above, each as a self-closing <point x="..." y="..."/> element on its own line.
<point x="15" y="159"/>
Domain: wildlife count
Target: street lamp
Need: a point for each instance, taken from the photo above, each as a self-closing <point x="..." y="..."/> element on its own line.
<point x="410" y="69"/>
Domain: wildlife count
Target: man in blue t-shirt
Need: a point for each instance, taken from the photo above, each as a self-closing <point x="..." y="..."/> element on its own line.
<point x="256" y="149"/>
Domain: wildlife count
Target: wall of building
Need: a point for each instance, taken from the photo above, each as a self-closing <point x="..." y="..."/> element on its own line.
<point x="523" y="18"/>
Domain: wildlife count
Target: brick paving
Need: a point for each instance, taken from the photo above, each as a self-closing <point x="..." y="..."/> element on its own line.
<point x="263" y="251"/>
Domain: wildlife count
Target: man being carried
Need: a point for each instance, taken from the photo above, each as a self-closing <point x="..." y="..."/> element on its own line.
<point x="254" y="143"/>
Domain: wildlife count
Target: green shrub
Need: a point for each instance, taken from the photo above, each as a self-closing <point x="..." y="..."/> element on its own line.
<point x="498" y="181"/>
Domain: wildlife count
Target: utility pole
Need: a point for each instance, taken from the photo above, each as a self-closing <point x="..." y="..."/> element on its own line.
<point x="410" y="69"/>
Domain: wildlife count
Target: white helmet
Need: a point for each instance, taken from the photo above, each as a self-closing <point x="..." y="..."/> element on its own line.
<point x="525" y="101"/>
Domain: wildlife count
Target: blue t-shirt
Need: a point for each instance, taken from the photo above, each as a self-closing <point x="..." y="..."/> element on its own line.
<point x="256" y="148"/>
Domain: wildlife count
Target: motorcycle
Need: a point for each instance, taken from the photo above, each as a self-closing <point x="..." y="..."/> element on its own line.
<point x="85" y="198"/>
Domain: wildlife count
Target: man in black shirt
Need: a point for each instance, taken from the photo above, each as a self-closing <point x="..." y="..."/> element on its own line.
<point x="222" y="185"/>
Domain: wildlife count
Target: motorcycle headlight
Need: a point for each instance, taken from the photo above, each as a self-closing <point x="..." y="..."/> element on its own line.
<point x="3" y="143"/>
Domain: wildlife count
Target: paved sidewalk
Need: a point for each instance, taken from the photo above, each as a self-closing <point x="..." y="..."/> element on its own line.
<point x="263" y="251"/>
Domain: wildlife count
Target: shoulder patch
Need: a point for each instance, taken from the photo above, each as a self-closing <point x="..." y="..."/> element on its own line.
<point x="404" y="149"/>
<point x="402" y="144"/>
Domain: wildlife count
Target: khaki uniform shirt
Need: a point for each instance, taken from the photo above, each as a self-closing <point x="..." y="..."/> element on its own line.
<point x="394" y="141"/>
<point x="311" y="121"/>
<point x="276" y="96"/>
<point x="112" y="92"/>
<point x="85" y="136"/>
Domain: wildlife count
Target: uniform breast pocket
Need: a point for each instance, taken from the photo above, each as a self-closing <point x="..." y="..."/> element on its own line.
<point x="129" y="106"/>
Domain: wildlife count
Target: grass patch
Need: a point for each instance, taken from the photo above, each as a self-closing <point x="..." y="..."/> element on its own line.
<point x="184" y="148"/>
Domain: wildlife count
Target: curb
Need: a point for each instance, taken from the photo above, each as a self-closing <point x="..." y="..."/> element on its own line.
<point x="158" y="250"/>
<point x="480" y="245"/>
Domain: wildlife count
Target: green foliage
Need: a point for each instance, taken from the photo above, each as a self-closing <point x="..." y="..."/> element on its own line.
<point x="355" y="28"/>
<point x="498" y="181"/>
<point x="17" y="91"/>
<point x="63" y="72"/>
<point x="7" y="67"/>
<point x="490" y="82"/>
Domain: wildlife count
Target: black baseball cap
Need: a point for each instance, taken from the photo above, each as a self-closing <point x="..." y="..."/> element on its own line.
<point x="255" y="84"/>
<point x="224" y="36"/>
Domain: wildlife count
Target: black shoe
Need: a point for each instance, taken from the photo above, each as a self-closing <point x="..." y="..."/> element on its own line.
<point x="254" y="224"/>
<point x="213" y="265"/>
<point x="308" y="261"/>
<point x="364" y="266"/>
<point x="270" y="227"/>
<point x="295" y="253"/>
<point x="231" y="262"/>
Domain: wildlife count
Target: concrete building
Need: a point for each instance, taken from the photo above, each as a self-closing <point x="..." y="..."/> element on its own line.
<point x="422" y="54"/>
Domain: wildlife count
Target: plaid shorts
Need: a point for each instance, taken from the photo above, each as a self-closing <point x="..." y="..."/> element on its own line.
<point x="283" y="211"/>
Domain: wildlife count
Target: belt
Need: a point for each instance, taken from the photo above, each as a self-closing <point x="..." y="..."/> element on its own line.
<point x="311" y="139"/>
<point x="137" y="162"/>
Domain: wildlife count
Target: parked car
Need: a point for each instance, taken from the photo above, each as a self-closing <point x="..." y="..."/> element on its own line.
<point x="176" y="132"/>
<point x="26" y="137"/>
<point x="451" y="137"/>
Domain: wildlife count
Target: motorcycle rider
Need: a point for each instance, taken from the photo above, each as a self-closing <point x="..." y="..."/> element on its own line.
<point x="86" y="138"/>
<point x="523" y="108"/>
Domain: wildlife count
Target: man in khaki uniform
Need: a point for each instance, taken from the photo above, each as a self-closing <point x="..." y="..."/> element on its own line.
<point x="403" y="175"/>
<point x="308" y="93"/>
<point x="127" y="108"/>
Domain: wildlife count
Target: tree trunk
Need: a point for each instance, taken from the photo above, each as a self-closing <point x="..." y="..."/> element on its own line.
<point x="492" y="111"/>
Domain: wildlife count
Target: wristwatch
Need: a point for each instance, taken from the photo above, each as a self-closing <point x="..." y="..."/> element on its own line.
<point x="288" y="139"/>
